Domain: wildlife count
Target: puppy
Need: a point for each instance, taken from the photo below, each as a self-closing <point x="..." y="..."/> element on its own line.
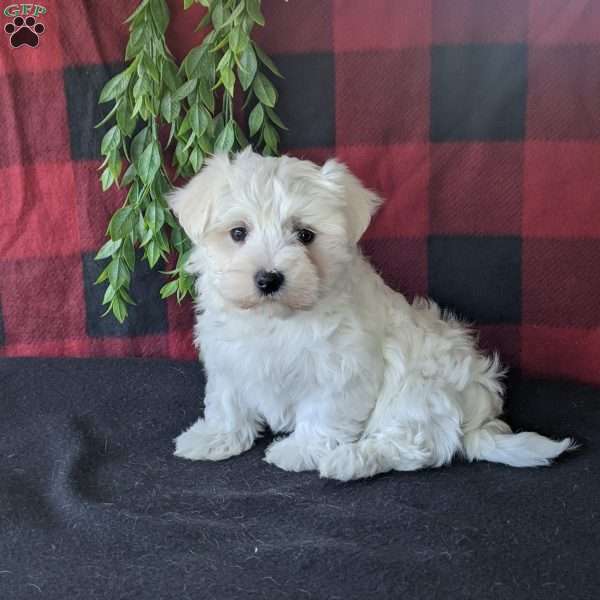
<point x="299" y="333"/>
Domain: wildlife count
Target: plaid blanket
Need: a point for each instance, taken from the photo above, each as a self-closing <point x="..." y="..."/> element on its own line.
<point x="477" y="120"/>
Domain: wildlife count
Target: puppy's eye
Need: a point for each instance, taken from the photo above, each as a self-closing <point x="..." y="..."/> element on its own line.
<point x="238" y="234"/>
<point x="305" y="236"/>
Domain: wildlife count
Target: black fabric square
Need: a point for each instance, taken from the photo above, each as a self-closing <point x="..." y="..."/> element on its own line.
<point x="83" y="85"/>
<point x="478" y="92"/>
<point x="148" y="316"/>
<point x="477" y="277"/>
<point x="306" y="99"/>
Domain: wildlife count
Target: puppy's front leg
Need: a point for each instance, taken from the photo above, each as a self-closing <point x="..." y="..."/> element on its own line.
<point x="228" y="428"/>
<point x="316" y="434"/>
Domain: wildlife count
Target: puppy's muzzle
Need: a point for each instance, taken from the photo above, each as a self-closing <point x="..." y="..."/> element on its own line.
<point x="268" y="282"/>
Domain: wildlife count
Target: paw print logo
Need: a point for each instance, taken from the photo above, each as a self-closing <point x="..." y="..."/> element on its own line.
<point x="24" y="32"/>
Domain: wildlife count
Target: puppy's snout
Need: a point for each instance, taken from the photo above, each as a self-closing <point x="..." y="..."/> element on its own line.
<point x="268" y="282"/>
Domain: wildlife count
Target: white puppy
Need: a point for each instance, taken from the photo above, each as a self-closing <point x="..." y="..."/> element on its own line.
<point x="298" y="332"/>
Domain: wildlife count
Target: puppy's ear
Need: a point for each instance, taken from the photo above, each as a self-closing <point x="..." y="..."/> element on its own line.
<point x="193" y="204"/>
<point x="361" y="203"/>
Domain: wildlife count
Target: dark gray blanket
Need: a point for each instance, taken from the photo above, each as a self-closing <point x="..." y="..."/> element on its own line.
<point x="93" y="504"/>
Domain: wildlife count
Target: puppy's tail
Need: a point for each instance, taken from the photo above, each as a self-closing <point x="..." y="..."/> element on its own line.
<point x="495" y="442"/>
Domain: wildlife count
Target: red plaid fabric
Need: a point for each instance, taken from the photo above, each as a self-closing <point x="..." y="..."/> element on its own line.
<point x="477" y="120"/>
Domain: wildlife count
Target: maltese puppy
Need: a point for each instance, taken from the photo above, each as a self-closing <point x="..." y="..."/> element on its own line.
<point x="300" y="334"/>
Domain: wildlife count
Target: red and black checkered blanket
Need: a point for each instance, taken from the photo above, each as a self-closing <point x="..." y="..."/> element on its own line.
<point x="478" y="121"/>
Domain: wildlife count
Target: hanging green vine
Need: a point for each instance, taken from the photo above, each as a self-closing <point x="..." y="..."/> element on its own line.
<point x="195" y="103"/>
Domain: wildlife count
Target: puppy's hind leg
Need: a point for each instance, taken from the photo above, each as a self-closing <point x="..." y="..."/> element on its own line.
<point x="415" y="425"/>
<point x="401" y="449"/>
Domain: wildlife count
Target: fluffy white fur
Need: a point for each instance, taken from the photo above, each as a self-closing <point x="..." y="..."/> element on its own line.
<point x="362" y="381"/>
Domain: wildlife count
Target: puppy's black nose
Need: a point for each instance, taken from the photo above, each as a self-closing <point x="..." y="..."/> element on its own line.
<point x="268" y="282"/>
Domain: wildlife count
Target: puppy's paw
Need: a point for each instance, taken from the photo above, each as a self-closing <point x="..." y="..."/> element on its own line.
<point x="202" y="442"/>
<point x="288" y="454"/>
<point x="343" y="464"/>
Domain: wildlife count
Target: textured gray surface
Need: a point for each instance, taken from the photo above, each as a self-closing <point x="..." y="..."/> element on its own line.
<point x="93" y="505"/>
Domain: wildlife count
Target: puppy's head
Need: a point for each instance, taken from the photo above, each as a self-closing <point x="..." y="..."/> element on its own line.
<point x="272" y="233"/>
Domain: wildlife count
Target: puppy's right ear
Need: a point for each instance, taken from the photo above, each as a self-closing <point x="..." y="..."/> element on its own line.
<point x="361" y="203"/>
<point x="193" y="204"/>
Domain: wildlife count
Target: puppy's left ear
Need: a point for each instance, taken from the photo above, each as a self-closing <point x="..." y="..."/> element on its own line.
<point x="361" y="203"/>
<point x="193" y="204"/>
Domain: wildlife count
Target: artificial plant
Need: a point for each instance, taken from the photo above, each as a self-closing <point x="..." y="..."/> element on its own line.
<point x="188" y="110"/>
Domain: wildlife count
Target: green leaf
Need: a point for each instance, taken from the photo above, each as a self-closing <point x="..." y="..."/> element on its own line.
<point x="187" y="4"/>
<point x="152" y="253"/>
<point x="109" y="294"/>
<point x="114" y="165"/>
<point x="115" y="87"/>
<point x="154" y="216"/>
<point x="235" y="14"/>
<point x="147" y="237"/>
<point x="168" y="289"/>
<point x="204" y="22"/>
<point x="240" y="137"/>
<point x="253" y="9"/>
<point x="225" y="60"/>
<point x="177" y="238"/>
<point x="151" y="67"/>
<point x="149" y="163"/>
<point x="226" y="139"/>
<point x="183" y="257"/>
<point x="136" y="41"/>
<point x="190" y="141"/>
<point x="119" y="309"/>
<point x="186" y="89"/>
<point x="247" y="68"/>
<point x="185" y="125"/>
<point x="196" y="159"/>
<point x="162" y="241"/>
<point x="118" y="273"/>
<point x="181" y="154"/>
<point x="169" y="108"/>
<point x="122" y="223"/>
<point x="238" y="39"/>
<point x="111" y="140"/>
<point x="219" y="15"/>
<point x="206" y="94"/>
<point x="129" y="175"/>
<point x="170" y="75"/>
<point x="125" y="296"/>
<point x="160" y="14"/>
<point x="142" y="87"/>
<point x="170" y="220"/>
<point x="199" y="119"/>
<point x="264" y="90"/>
<point x="139" y="143"/>
<point x="205" y="144"/>
<point x="275" y="118"/>
<point x="137" y="11"/>
<point x="193" y="62"/>
<point x="106" y="179"/>
<point x="109" y="248"/>
<point x="125" y="120"/>
<point x="271" y="136"/>
<point x="265" y="60"/>
<point x="256" y="119"/>
<point x="109" y="114"/>
<point x="128" y="253"/>
<point x="102" y="277"/>
<point x="228" y="79"/>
